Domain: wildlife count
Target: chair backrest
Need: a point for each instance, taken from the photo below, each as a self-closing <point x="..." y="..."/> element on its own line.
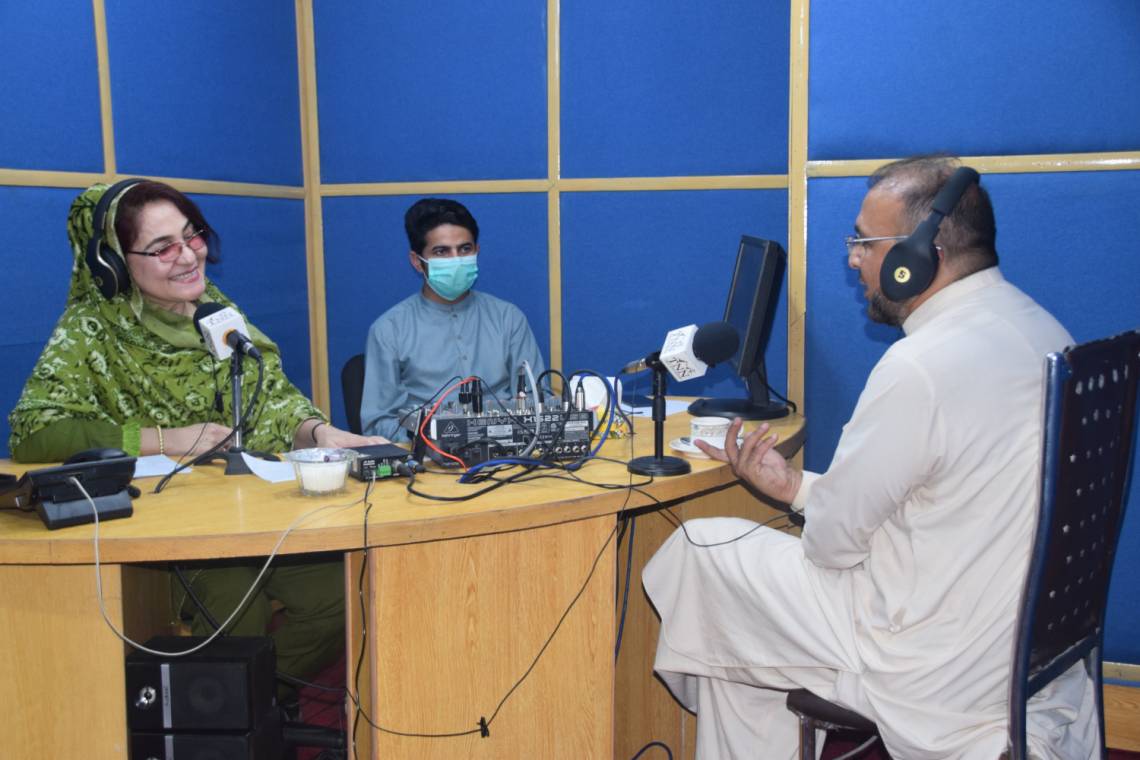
<point x="1090" y="410"/>
<point x="352" y="388"/>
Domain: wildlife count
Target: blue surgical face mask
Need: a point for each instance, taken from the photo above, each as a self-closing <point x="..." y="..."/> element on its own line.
<point x="452" y="277"/>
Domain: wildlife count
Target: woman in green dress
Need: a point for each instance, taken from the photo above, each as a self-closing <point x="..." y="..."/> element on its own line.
<point x="125" y="368"/>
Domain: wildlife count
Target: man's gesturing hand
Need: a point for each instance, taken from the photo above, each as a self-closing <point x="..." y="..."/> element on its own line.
<point x="756" y="462"/>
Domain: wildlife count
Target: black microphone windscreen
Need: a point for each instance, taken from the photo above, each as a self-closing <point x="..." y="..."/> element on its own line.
<point x="715" y="342"/>
<point x="204" y="311"/>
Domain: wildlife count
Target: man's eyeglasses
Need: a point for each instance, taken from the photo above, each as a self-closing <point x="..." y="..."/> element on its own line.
<point x="853" y="241"/>
<point x="195" y="241"/>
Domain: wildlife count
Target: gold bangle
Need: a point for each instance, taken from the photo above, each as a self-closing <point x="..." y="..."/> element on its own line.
<point x="161" y="442"/>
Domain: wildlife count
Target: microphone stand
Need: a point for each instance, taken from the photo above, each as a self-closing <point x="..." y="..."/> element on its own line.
<point x="235" y="465"/>
<point x="658" y="464"/>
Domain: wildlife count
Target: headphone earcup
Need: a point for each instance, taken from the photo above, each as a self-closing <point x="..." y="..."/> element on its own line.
<point x="110" y="271"/>
<point x="908" y="268"/>
<point x="107" y="267"/>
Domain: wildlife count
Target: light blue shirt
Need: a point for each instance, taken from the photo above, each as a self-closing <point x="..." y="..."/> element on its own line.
<point x="418" y="345"/>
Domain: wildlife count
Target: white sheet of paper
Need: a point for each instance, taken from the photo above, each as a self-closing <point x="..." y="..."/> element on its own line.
<point x="273" y="472"/>
<point x="671" y="407"/>
<point x="155" y="465"/>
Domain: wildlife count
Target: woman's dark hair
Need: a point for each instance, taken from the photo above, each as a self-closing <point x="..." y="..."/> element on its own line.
<point x="136" y="198"/>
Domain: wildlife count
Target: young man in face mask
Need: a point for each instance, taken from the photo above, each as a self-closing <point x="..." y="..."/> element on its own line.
<point x="444" y="331"/>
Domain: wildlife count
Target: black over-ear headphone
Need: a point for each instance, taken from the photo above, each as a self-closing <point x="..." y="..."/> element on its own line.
<point x="909" y="267"/>
<point x="107" y="267"/>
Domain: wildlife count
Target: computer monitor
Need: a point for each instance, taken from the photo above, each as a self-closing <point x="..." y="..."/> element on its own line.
<point x="751" y="309"/>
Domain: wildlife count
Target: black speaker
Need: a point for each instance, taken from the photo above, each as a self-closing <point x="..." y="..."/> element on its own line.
<point x="909" y="267"/>
<point x="227" y="686"/>
<point x="263" y="743"/>
<point x="107" y="267"/>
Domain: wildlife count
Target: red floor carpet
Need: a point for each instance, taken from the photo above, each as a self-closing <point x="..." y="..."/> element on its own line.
<point x="321" y="707"/>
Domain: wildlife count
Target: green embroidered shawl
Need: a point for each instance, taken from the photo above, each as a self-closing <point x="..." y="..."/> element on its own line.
<point x="127" y="363"/>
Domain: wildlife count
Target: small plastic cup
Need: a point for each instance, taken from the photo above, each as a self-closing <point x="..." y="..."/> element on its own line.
<point x="321" y="472"/>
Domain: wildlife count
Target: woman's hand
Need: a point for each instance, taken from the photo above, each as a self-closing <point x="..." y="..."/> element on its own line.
<point x="756" y="462"/>
<point x="180" y="441"/>
<point x="313" y="432"/>
<point x="334" y="438"/>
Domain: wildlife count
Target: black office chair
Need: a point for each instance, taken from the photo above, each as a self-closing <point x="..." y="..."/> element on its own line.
<point x="1090" y="410"/>
<point x="816" y="713"/>
<point x="352" y="388"/>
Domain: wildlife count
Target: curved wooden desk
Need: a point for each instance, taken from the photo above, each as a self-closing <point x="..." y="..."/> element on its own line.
<point x="458" y="599"/>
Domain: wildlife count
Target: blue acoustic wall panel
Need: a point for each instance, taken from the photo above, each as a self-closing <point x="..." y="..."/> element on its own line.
<point x="367" y="269"/>
<point x="635" y="265"/>
<point x="1070" y="240"/>
<point x="262" y="270"/>
<point x="207" y="91"/>
<point x="660" y="89"/>
<point x="454" y="92"/>
<point x="50" y="85"/>
<point x="895" y="78"/>
<point x="38" y="264"/>
<point x="842" y="344"/>
<point x="1066" y="239"/>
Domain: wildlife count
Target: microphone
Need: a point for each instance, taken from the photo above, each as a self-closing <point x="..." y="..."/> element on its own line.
<point x="224" y="331"/>
<point x="689" y="351"/>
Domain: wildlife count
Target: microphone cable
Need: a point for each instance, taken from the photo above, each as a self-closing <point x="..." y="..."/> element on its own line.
<point x="424" y="405"/>
<point x="565" y="386"/>
<point x="237" y="609"/>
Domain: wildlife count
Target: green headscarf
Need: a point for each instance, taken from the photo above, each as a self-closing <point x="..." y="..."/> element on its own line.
<point x="129" y="363"/>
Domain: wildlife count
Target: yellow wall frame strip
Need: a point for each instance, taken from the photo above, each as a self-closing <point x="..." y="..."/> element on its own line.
<point x="103" y="58"/>
<point x="725" y="182"/>
<point x="443" y="187"/>
<point x="797" y="202"/>
<point x="554" y="172"/>
<point x="220" y="187"/>
<point x="1122" y="671"/>
<point x="31" y="178"/>
<point x="314" y="220"/>
<point x="1021" y="164"/>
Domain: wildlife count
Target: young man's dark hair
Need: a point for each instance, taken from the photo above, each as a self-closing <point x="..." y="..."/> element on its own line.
<point x="428" y="213"/>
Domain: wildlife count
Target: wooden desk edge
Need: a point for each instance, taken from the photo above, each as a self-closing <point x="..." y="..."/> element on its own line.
<point x="75" y="545"/>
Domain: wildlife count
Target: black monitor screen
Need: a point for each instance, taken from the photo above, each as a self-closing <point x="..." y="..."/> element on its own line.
<point x="751" y="309"/>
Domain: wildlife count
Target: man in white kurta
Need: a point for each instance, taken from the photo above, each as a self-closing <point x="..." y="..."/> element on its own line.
<point x="900" y="599"/>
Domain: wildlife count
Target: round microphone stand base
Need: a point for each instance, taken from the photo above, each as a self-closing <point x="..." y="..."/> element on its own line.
<point x="664" y="465"/>
<point x="235" y="465"/>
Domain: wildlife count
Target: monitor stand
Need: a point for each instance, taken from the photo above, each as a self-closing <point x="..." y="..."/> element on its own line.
<point x="745" y="409"/>
<point x="758" y="406"/>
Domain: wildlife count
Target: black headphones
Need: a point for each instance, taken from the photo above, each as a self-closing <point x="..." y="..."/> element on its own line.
<point x="107" y="267"/>
<point x="910" y="265"/>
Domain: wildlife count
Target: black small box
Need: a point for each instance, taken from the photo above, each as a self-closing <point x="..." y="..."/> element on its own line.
<point x="263" y="743"/>
<point x="226" y="686"/>
<point x="377" y="462"/>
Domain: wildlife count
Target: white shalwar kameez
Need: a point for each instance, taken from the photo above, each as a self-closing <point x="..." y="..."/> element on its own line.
<point x="901" y="598"/>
